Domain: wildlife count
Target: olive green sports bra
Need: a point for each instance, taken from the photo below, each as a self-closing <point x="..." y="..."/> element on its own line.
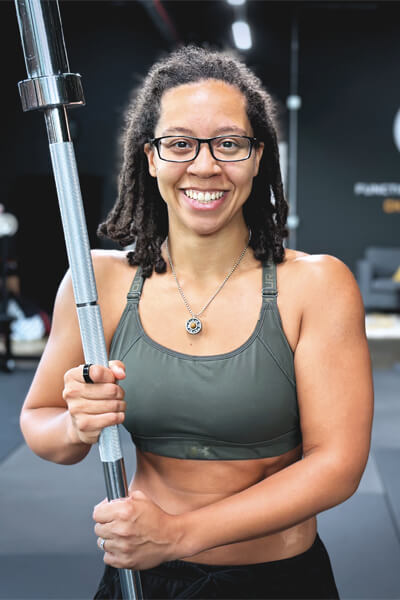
<point x="232" y="406"/>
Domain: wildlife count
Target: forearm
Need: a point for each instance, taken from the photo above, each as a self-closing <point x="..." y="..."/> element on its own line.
<point x="49" y="433"/>
<point x="284" y="499"/>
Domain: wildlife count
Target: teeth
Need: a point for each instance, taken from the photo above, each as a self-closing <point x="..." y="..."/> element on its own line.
<point x="203" y="197"/>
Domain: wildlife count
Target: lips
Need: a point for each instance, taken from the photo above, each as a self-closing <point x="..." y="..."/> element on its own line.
<point x="204" y="205"/>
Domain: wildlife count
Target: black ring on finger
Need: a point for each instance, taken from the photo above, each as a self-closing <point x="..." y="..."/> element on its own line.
<point x="85" y="373"/>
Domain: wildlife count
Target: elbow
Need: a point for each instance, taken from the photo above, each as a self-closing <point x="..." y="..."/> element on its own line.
<point x="48" y="440"/>
<point x="354" y="480"/>
<point x="349" y="487"/>
<point x="338" y="476"/>
<point x="346" y="478"/>
<point x="23" y="426"/>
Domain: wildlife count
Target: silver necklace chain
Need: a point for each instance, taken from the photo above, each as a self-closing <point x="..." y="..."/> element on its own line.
<point x="195" y="316"/>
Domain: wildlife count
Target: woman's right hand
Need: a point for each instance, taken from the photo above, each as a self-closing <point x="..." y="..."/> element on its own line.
<point x="93" y="406"/>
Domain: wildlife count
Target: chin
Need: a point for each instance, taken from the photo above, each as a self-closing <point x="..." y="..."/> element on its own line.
<point x="205" y="229"/>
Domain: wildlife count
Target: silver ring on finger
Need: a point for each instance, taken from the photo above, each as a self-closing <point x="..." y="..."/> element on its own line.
<point x="102" y="542"/>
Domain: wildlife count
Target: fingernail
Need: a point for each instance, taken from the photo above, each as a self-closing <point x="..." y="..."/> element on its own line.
<point x="119" y="370"/>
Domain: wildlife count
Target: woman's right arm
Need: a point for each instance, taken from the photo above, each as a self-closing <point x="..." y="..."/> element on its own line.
<point x="63" y="416"/>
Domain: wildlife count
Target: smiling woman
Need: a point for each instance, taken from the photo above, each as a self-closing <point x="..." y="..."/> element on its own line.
<point x="248" y="102"/>
<point x="184" y="166"/>
<point x="247" y="422"/>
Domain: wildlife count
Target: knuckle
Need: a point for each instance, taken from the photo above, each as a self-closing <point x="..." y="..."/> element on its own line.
<point x="119" y="392"/>
<point x="73" y="409"/>
<point x="69" y="374"/>
<point x="115" y="418"/>
<point x="118" y="406"/>
<point x="126" y="534"/>
<point x="99" y="374"/>
<point x="113" y="406"/>
<point x="83" y="423"/>
<point x="123" y="513"/>
<point x="111" y="390"/>
<point x="73" y="390"/>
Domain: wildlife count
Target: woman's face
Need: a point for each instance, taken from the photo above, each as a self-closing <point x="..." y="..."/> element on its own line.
<point x="203" y="109"/>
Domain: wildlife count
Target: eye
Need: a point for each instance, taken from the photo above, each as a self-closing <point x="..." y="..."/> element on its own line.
<point x="178" y="143"/>
<point x="228" y="144"/>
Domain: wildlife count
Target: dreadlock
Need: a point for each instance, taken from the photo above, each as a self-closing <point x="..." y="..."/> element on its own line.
<point x="140" y="214"/>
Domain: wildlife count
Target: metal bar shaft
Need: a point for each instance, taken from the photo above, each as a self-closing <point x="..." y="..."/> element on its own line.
<point x="49" y="88"/>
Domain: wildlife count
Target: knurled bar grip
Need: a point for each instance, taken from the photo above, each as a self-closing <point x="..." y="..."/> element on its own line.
<point x="83" y="281"/>
<point x="90" y="323"/>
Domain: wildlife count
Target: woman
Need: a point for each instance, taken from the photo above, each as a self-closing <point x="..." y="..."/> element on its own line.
<point x="244" y="371"/>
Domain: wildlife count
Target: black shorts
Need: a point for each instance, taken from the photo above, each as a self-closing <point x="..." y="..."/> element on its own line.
<point x="305" y="576"/>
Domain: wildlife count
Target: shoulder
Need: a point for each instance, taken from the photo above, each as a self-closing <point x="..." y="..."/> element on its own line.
<point x="112" y="265"/>
<point x="327" y="272"/>
<point x="320" y="271"/>
<point x="326" y="287"/>
<point x="105" y="260"/>
<point x="108" y="265"/>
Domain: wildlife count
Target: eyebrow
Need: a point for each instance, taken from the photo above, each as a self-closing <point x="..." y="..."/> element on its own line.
<point x="218" y="131"/>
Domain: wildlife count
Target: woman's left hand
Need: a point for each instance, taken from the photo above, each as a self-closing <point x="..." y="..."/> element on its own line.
<point x="138" y="534"/>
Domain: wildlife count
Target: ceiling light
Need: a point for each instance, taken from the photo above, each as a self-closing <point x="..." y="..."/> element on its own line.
<point x="241" y="35"/>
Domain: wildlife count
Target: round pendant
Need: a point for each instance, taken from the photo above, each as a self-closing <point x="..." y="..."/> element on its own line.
<point x="193" y="325"/>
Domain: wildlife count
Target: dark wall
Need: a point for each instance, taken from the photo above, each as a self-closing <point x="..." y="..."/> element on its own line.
<point x="111" y="50"/>
<point x="350" y="89"/>
<point x="348" y="81"/>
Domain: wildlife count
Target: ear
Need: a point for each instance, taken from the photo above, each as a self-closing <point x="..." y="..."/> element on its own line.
<point x="149" y="152"/>
<point x="258" y="155"/>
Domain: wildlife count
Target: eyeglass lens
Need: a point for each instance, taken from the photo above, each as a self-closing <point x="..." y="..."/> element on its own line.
<point x="223" y="148"/>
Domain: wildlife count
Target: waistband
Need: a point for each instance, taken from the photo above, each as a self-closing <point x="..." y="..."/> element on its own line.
<point x="193" y="568"/>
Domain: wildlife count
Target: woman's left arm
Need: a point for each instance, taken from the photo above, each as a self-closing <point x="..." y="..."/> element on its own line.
<point x="335" y="395"/>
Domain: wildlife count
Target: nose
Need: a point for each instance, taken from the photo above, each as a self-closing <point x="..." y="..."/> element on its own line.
<point x="204" y="165"/>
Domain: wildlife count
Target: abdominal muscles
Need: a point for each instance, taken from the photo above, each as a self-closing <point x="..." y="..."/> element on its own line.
<point x="179" y="486"/>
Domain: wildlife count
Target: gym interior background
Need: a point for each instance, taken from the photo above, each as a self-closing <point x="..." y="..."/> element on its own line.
<point x="332" y="67"/>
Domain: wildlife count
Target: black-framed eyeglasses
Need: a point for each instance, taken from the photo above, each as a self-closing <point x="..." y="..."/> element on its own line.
<point x="184" y="148"/>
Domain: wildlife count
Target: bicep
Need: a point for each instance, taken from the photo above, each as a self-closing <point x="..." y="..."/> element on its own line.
<point x="333" y="368"/>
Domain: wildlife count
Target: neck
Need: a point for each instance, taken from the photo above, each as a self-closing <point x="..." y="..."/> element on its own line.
<point x="207" y="256"/>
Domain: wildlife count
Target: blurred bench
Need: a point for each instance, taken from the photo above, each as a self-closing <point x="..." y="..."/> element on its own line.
<point x="374" y="273"/>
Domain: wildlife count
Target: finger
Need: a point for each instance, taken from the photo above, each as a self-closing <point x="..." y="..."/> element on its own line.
<point x="118" y="368"/>
<point x="97" y="407"/>
<point x="97" y="373"/>
<point x="105" y="512"/>
<point x="118" y="530"/>
<point x="95" y="423"/>
<point x="105" y="501"/>
<point x="103" y="530"/>
<point x="106" y="546"/>
<point x="79" y="393"/>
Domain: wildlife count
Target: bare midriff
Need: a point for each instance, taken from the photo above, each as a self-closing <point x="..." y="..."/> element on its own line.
<point x="180" y="486"/>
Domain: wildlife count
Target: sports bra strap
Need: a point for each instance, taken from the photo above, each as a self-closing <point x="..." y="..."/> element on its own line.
<point x="136" y="287"/>
<point x="269" y="287"/>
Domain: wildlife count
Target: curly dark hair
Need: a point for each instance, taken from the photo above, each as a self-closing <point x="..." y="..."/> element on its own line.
<point x="140" y="214"/>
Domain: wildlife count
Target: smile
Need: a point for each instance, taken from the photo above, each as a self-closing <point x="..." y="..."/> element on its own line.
<point x="203" y="197"/>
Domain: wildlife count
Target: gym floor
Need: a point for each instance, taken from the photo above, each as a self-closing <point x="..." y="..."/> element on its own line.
<point x="48" y="547"/>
